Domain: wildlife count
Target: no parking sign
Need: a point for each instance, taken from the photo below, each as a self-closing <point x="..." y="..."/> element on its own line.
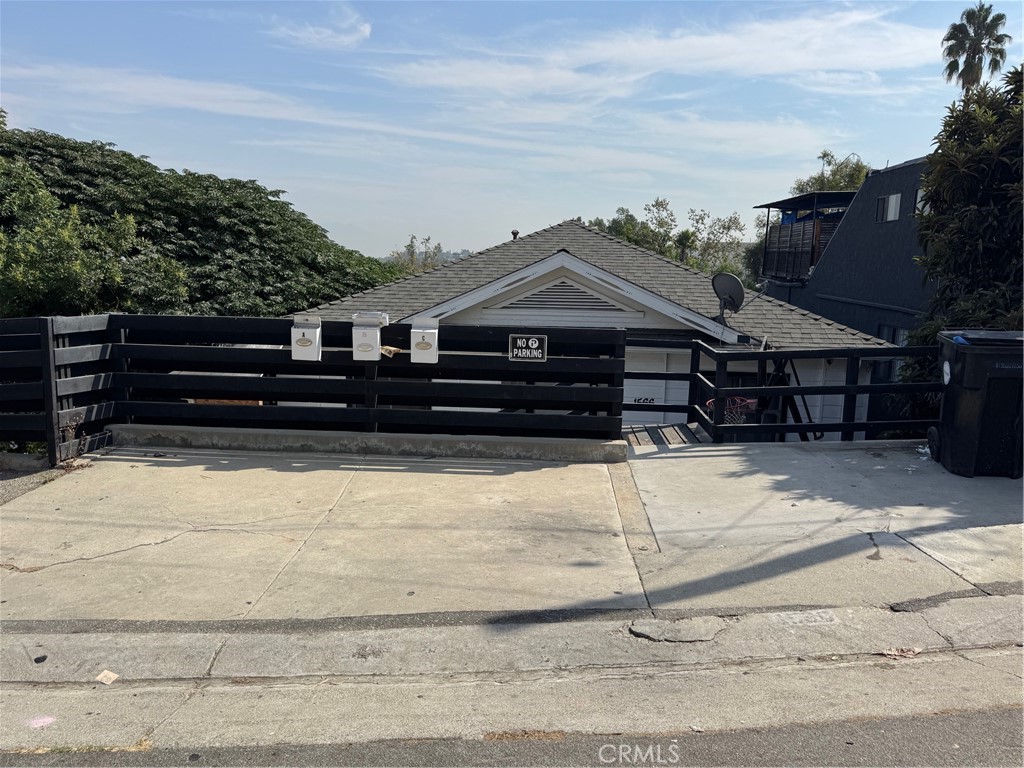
<point x="527" y="347"/>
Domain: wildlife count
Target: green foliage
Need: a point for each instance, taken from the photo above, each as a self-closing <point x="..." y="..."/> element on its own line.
<point x="971" y="230"/>
<point x="969" y="42"/>
<point x="417" y="256"/>
<point x="846" y="174"/>
<point x="197" y="243"/>
<point x="716" y="244"/>
<point x="51" y="261"/>
<point x="971" y="224"/>
<point x="711" y="244"/>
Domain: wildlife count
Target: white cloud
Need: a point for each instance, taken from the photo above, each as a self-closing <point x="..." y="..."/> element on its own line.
<point x="346" y="30"/>
<point x="619" y="64"/>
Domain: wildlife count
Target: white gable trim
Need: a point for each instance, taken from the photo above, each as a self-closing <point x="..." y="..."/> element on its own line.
<point x="615" y="284"/>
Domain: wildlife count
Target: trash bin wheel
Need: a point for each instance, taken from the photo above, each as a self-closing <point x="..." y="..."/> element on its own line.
<point x="934" y="444"/>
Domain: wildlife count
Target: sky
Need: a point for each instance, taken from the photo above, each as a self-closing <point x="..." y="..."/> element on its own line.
<point x="464" y="120"/>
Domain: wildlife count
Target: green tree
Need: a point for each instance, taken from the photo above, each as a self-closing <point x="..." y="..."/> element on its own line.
<point x="971" y="222"/>
<point x="418" y="256"/>
<point x="846" y="174"/>
<point x="972" y="40"/>
<point x="716" y="244"/>
<point x="655" y="233"/>
<point x="235" y="246"/>
<point x="661" y="224"/>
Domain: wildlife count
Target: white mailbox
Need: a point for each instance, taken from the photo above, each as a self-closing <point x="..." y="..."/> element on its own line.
<point x="306" y="343"/>
<point x="423" y="340"/>
<point x="366" y="334"/>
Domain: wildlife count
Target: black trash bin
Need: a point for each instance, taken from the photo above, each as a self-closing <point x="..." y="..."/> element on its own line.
<point x="980" y="425"/>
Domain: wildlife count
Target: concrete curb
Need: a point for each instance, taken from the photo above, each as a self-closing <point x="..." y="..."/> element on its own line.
<point x="381" y="444"/>
<point x="23" y="462"/>
<point x="815" y="635"/>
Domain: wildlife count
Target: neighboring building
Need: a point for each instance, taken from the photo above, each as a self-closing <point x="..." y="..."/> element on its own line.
<point x="569" y="275"/>
<point x="861" y="271"/>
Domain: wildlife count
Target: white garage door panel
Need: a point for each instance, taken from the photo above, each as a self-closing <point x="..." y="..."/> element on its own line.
<point x="677" y="392"/>
<point x="642" y="390"/>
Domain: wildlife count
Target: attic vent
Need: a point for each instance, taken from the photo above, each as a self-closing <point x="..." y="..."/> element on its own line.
<point x="564" y="296"/>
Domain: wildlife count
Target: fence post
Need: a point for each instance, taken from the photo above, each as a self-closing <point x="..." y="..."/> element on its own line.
<point x="850" y="400"/>
<point x="49" y="389"/>
<point x="618" y="380"/>
<point x="721" y="380"/>
<point x="693" y="390"/>
<point x="370" y="398"/>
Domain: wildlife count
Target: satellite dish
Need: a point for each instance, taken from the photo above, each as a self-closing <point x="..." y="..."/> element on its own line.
<point x="729" y="290"/>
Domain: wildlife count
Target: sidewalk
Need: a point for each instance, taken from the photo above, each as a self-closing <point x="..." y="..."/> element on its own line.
<point x="247" y="598"/>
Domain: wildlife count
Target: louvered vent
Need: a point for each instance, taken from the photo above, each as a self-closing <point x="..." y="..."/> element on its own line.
<point x="564" y="296"/>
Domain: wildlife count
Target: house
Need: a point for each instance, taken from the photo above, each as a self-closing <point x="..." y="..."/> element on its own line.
<point x="850" y="256"/>
<point x="569" y="275"/>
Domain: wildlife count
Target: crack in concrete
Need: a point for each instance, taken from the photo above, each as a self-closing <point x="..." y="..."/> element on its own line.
<point x="213" y="659"/>
<point x="310" y="535"/>
<point x="949" y="640"/>
<point x="240" y="522"/>
<point x="932" y="557"/>
<point x="640" y="634"/>
<point x="189" y="693"/>
<point x="877" y="555"/>
<point x="962" y="654"/>
<point x="36" y="568"/>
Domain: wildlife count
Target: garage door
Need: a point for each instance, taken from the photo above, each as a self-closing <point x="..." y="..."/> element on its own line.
<point x="643" y="391"/>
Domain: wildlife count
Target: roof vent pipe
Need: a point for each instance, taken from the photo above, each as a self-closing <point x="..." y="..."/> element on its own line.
<point x="515" y="234"/>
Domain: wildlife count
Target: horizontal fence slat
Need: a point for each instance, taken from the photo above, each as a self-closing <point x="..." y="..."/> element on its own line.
<point x="845" y="426"/>
<point x="865" y="353"/>
<point x="88" y="353"/>
<point x="830" y="389"/>
<point x="84" y="324"/>
<point x="22" y="422"/>
<point x="80" y="384"/>
<point x="17" y="325"/>
<point x="280" y="361"/>
<point x="21" y="358"/>
<point x="657" y="407"/>
<point x="658" y="376"/>
<point x="71" y="449"/>
<point x="14" y="342"/>
<point x="29" y="390"/>
<point x="277" y="332"/>
<point x="268" y="416"/>
<point x="88" y="413"/>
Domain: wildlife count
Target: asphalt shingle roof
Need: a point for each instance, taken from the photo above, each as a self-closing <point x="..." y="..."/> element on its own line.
<point x="786" y="326"/>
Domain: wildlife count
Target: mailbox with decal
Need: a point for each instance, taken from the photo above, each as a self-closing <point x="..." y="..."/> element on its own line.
<point x="306" y="343"/>
<point x="423" y="340"/>
<point x="366" y="334"/>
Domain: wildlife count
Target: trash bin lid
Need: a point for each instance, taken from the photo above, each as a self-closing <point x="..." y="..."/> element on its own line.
<point x="983" y="338"/>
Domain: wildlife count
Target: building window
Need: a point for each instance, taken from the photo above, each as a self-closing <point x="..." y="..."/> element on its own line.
<point x="888" y="208"/>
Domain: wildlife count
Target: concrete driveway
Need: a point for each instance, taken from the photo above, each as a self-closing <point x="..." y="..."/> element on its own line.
<point x="742" y="526"/>
<point x="144" y="534"/>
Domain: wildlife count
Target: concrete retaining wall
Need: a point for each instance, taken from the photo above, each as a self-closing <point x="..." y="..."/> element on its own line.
<point x="386" y="444"/>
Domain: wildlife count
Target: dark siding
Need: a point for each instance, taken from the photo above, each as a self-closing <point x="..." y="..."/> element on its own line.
<point x="867" y="277"/>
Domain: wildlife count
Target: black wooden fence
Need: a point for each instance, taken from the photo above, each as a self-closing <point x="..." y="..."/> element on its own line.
<point x="709" y="394"/>
<point x="66" y="379"/>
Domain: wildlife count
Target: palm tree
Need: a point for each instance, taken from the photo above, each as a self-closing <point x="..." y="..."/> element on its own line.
<point x="970" y="41"/>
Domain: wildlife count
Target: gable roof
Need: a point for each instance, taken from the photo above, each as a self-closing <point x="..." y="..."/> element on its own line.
<point x="784" y="325"/>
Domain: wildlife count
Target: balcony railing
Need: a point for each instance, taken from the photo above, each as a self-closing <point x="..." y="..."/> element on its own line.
<point x="792" y="249"/>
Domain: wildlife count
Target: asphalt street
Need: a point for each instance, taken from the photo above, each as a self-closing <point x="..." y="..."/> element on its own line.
<point x="978" y="738"/>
